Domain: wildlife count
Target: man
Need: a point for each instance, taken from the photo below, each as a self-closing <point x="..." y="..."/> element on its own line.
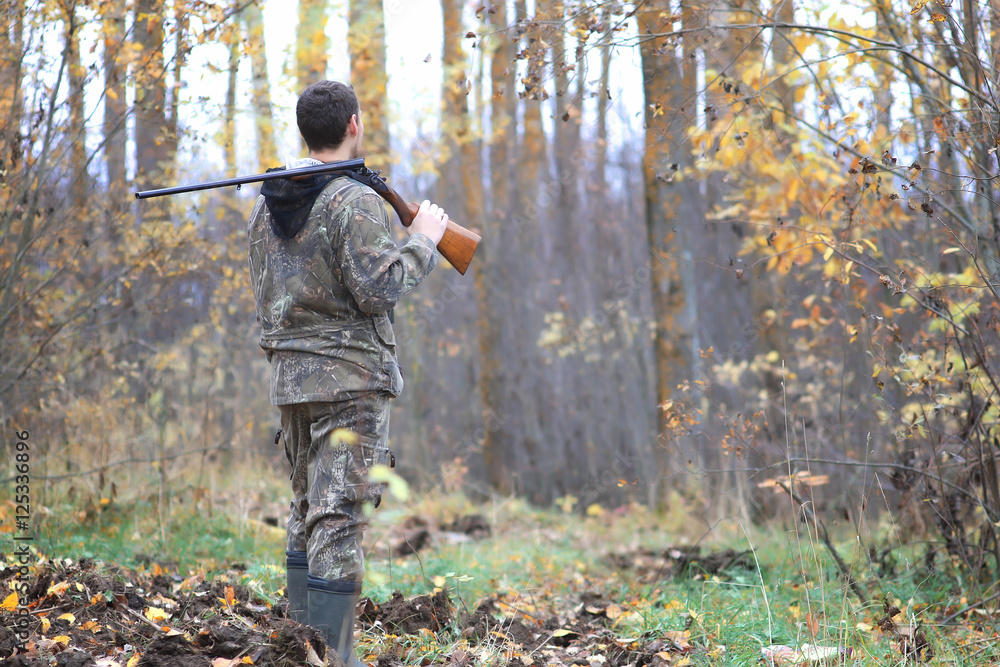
<point x="326" y="274"/>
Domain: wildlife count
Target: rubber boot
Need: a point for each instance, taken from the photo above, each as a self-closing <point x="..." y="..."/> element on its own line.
<point x="332" y="606"/>
<point x="297" y="572"/>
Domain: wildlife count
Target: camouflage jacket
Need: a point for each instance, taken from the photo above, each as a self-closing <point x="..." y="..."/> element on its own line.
<point x="323" y="295"/>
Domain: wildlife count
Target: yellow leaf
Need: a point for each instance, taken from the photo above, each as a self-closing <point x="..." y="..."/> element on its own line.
<point x="10" y="602"/>
<point x="595" y="510"/>
<point x="247" y="660"/>
<point x="46" y="624"/>
<point x="938" y="18"/>
<point x="562" y="632"/>
<point x="70" y="618"/>
<point x="155" y="614"/>
<point x="230" y="596"/>
<point x="58" y="589"/>
<point x="917" y="7"/>
<point x="61" y="639"/>
<point x="133" y="661"/>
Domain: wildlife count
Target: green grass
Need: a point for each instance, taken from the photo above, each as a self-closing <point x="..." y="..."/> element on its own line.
<point x="136" y="536"/>
<point x="543" y="561"/>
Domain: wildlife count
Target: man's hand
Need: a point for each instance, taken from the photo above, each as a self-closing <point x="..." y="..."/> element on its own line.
<point x="430" y="221"/>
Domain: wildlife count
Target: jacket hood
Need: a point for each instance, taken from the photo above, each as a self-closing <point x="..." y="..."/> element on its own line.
<point x="290" y="201"/>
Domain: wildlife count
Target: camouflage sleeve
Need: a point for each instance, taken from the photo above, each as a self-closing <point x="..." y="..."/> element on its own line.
<point x="376" y="271"/>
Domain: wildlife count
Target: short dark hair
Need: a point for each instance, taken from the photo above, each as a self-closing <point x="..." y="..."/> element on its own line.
<point x="323" y="111"/>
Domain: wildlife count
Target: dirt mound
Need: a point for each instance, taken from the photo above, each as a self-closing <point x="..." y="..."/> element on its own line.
<point x="172" y="651"/>
<point x="475" y="526"/>
<point x="79" y="614"/>
<point x="482" y="624"/>
<point x="408" y="617"/>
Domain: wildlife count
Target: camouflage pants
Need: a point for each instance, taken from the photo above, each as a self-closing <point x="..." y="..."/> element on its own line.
<point x="330" y="447"/>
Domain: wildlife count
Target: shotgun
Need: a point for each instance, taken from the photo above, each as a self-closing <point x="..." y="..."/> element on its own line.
<point x="458" y="244"/>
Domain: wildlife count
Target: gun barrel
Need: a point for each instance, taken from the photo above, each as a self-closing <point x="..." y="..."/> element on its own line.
<point x="255" y="178"/>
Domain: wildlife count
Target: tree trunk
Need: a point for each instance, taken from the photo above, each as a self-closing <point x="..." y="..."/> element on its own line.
<point x="77" y="122"/>
<point x="151" y="140"/>
<point x="311" y="43"/>
<point x="534" y="150"/>
<point x="181" y="21"/>
<point x="493" y="256"/>
<point x="784" y="60"/>
<point x="229" y="110"/>
<point x="662" y="79"/>
<point x="11" y="104"/>
<point x="366" y="45"/>
<point x="267" y="152"/>
<point x="115" y="105"/>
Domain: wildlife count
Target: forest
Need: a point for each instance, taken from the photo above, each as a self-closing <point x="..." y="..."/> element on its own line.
<point x="739" y="263"/>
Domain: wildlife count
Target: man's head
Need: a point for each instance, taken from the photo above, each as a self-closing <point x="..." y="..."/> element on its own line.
<point x="327" y="114"/>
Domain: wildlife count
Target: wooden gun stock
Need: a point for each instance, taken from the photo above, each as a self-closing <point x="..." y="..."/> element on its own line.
<point x="458" y="244"/>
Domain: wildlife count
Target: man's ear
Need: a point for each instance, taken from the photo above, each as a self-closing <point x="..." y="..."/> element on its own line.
<point x="352" y="125"/>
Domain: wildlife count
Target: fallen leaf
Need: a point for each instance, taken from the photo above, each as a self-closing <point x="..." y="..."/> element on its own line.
<point x="10" y="602"/>
<point x="312" y="658"/>
<point x="155" y="614"/>
<point x="58" y="589"/>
